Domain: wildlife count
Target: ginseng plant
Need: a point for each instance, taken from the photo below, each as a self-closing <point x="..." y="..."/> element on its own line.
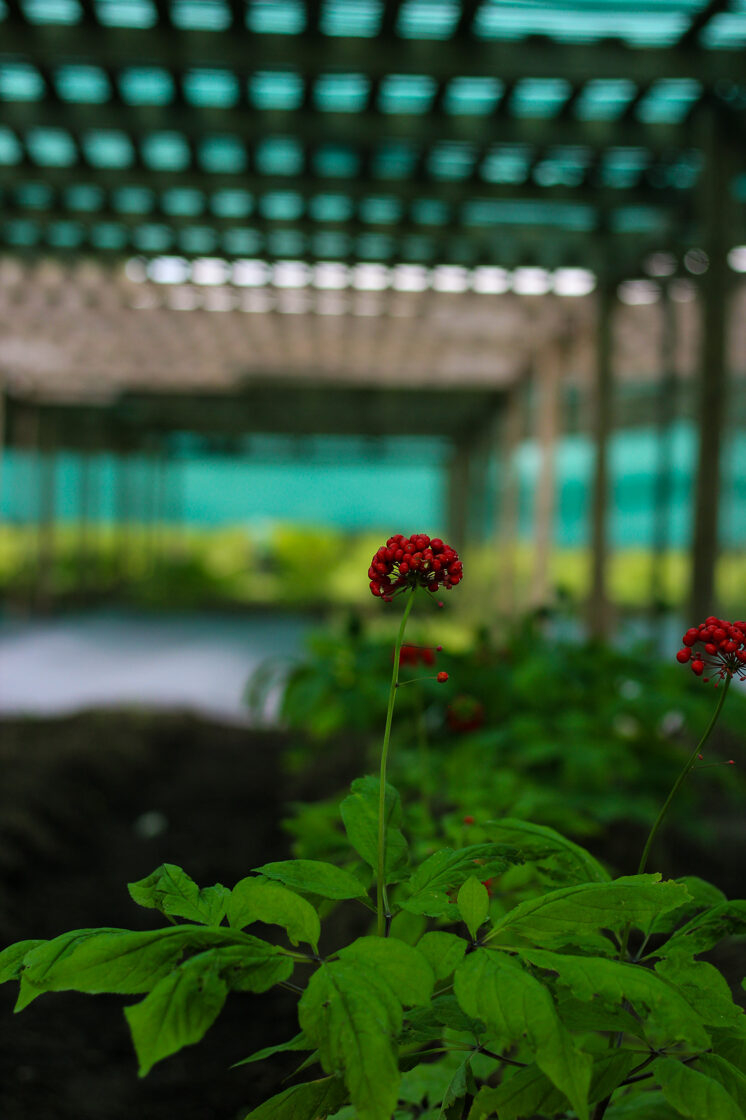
<point x="586" y="998"/>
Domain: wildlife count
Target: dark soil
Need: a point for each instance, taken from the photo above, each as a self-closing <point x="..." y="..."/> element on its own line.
<point x="71" y="795"/>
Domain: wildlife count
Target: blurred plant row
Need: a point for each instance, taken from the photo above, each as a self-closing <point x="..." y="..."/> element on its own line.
<point x="581" y="737"/>
<point x="294" y="565"/>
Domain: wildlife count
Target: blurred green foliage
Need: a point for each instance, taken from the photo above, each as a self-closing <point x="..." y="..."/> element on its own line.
<point x="578" y="736"/>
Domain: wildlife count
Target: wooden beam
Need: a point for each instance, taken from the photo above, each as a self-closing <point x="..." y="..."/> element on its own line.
<point x="244" y="51"/>
<point x="666" y="407"/>
<point x="700" y="21"/>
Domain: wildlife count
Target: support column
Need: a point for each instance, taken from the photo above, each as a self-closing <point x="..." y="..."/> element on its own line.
<point x="507" y="499"/>
<point x="598" y="604"/>
<point x="549" y="363"/>
<point x="716" y="209"/>
<point x="666" y="407"/>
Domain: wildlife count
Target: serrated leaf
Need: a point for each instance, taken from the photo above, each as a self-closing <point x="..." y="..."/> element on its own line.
<point x="539" y="842"/>
<point x="12" y="957"/>
<point x="473" y="903"/>
<point x="529" y="1092"/>
<point x="730" y="1077"/>
<point x="636" y="1105"/>
<point x="693" y="1094"/>
<point x="517" y="1007"/>
<point x="425" y="1023"/>
<point x="255" y="899"/>
<point x="597" y="1015"/>
<point x="299" y="1042"/>
<point x="706" y="929"/>
<point x="126" y="963"/>
<point x="703" y="896"/>
<point x="360" y="816"/>
<point x="667" y="1016"/>
<point x="553" y="918"/>
<point x="352" y="1016"/>
<point x="444" y="951"/>
<point x="171" y="891"/>
<point x="309" y="1101"/>
<point x="704" y="988"/>
<point x="177" y="1012"/>
<point x="403" y="967"/>
<point x="425" y="891"/>
<point x="313" y="876"/>
<point x="460" y="1084"/>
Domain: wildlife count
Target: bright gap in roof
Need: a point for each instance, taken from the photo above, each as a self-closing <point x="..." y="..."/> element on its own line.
<point x="472" y="96"/>
<point x="107" y="148"/>
<point x="51" y="11"/>
<point x="215" y="88"/>
<point x="428" y="19"/>
<point x="587" y="23"/>
<point x="84" y="197"/>
<point x="330" y="208"/>
<point x="726" y="30"/>
<point x="82" y="84"/>
<point x="341" y="93"/>
<point x="201" y="15"/>
<point x="222" y="154"/>
<point x="276" y="17"/>
<point x="165" y="151"/>
<point x="336" y="161"/>
<point x="406" y="93"/>
<point x="51" y="147"/>
<point x="126" y="13"/>
<point x="668" y="100"/>
<point x="451" y="160"/>
<point x="276" y="89"/>
<point x="146" y="85"/>
<point x="345" y="20"/>
<point x="394" y="160"/>
<point x="604" y="99"/>
<point x="20" y="81"/>
<point x="539" y="97"/>
<point x="279" y="155"/>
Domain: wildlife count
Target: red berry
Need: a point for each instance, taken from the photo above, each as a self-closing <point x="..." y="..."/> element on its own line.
<point x="698" y="667"/>
<point x="683" y="655"/>
<point x="468" y="820"/>
<point x="442" y="677"/>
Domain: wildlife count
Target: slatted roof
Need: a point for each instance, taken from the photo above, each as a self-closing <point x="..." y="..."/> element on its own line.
<point x="432" y="132"/>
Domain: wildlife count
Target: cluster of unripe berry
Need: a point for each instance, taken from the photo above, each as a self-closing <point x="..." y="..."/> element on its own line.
<point x="411" y="562"/>
<point x="724" y="648"/>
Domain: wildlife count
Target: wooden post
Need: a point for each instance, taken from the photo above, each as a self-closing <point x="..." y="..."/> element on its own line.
<point x="716" y="211"/>
<point x="507" y="498"/>
<point x="665" y="406"/>
<point x="598" y="604"/>
<point x="549" y="362"/>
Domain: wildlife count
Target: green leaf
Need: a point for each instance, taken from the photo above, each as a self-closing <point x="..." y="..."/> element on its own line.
<point x="403" y="967"/>
<point x="554" y="918"/>
<point x="706" y="929"/>
<point x="447" y="869"/>
<point x="299" y="1042"/>
<point x="539" y="843"/>
<point x="177" y="1012"/>
<point x="352" y="1011"/>
<point x="668" y="1017"/>
<point x="352" y="1015"/>
<point x="360" y="816"/>
<point x="255" y="899"/>
<point x="444" y="951"/>
<point x="313" y="876"/>
<point x="171" y="891"/>
<point x="11" y="959"/>
<point x="118" y="961"/>
<point x="636" y="1105"/>
<point x="460" y="1084"/>
<point x="694" y="1094"/>
<point x="703" y="895"/>
<point x="426" y="1023"/>
<point x="492" y="987"/>
<point x="309" y="1101"/>
<point x="244" y="971"/>
<point x="704" y="988"/>
<point x="529" y="1092"/>
<point x="597" y="1015"/>
<point x="473" y="903"/>
<point x="730" y="1077"/>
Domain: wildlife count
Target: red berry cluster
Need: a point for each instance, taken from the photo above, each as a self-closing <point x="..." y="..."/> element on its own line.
<point x="724" y="652"/>
<point x="411" y="562"/>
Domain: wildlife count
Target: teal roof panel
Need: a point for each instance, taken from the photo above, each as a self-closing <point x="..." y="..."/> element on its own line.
<point x="472" y="96"/>
<point x="20" y="81"/>
<point x="428" y="19"/>
<point x="276" y="89"/>
<point x="341" y="93"/>
<point x="267" y="17"/>
<point x="406" y="93"/>
<point x="135" y="14"/>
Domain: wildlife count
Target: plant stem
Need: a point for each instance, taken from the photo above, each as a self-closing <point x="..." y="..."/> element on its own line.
<point x="666" y="804"/>
<point x="681" y="777"/>
<point x="382" y="902"/>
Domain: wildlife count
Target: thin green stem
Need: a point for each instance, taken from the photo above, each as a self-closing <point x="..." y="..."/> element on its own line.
<point x="689" y="764"/>
<point x="382" y="902"/>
